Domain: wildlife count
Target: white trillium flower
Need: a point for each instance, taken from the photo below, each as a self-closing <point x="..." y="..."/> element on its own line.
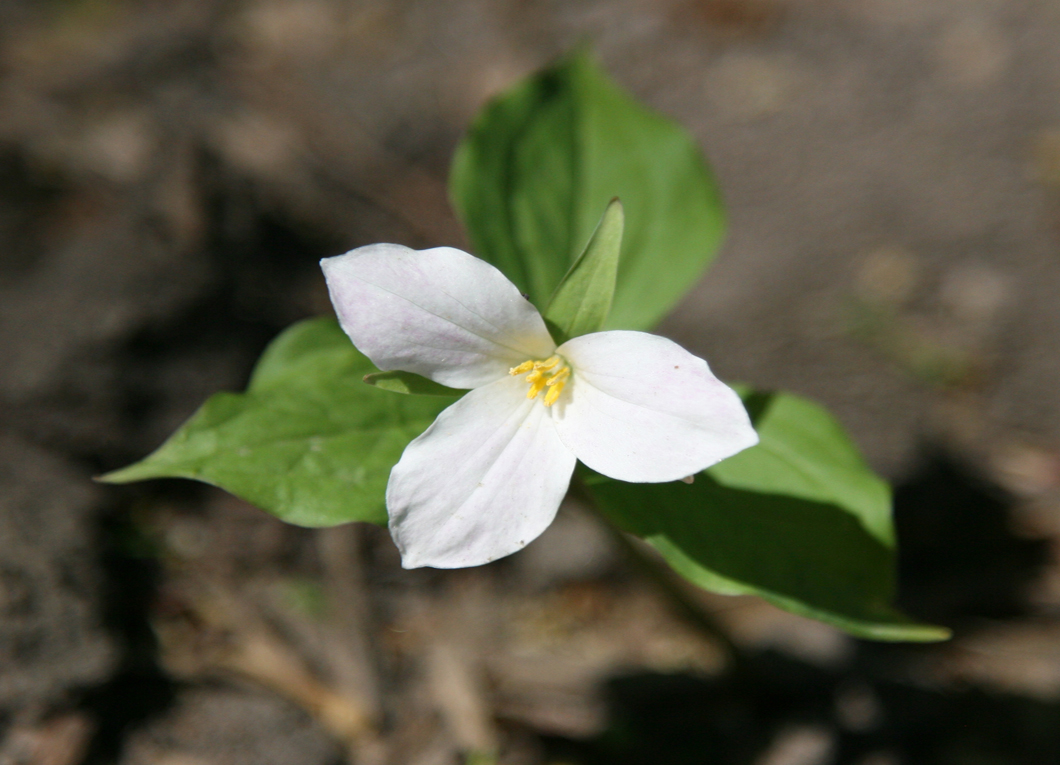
<point x="487" y="477"/>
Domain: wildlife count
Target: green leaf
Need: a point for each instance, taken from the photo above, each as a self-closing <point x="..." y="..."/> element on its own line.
<point x="309" y="441"/>
<point x="804" y="452"/>
<point x="539" y="166"/>
<point x="408" y="382"/>
<point x="582" y="301"/>
<point x="798" y="520"/>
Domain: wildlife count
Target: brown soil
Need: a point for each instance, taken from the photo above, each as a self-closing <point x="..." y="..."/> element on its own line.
<point x="170" y="173"/>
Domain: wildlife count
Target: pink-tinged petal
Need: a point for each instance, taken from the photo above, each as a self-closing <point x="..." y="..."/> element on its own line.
<point x="481" y="483"/>
<point x="641" y="408"/>
<point x="440" y="313"/>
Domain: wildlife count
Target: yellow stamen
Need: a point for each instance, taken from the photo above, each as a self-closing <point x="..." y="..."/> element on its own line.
<point x="559" y="377"/>
<point x="543" y="374"/>
<point x="556" y="387"/>
<point x="536" y="386"/>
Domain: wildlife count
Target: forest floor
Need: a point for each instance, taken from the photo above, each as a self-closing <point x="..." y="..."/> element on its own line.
<point x="170" y="174"/>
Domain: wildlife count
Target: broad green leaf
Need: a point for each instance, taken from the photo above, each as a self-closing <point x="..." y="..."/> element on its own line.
<point x="309" y="441"/>
<point x="539" y="166"/>
<point x="810" y="558"/>
<point x="804" y="452"/>
<point x="408" y="382"/>
<point x="582" y="301"/>
<point x="798" y="520"/>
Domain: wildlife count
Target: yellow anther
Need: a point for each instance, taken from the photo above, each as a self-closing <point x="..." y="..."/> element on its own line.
<point x="543" y="374"/>
<point x="555" y="385"/>
<point x="553" y="393"/>
<point x="559" y="377"/>
<point x="536" y="386"/>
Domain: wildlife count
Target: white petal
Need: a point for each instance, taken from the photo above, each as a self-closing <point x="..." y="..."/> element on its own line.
<point x="483" y="481"/>
<point x="440" y="313"/>
<point x="641" y="408"/>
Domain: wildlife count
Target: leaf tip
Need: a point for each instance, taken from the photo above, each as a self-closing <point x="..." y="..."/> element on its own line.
<point x="127" y="474"/>
<point x="931" y="633"/>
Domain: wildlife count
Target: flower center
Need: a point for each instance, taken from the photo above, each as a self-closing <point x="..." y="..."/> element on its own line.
<point x="552" y="373"/>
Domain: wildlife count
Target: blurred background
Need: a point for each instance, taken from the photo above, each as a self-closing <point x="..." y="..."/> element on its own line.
<point x="172" y="170"/>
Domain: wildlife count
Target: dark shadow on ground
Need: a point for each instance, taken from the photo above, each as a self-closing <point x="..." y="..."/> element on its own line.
<point x="960" y="564"/>
<point x="681" y="719"/>
<point x="959" y="561"/>
<point x="256" y="257"/>
<point x="139" y="690"/>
